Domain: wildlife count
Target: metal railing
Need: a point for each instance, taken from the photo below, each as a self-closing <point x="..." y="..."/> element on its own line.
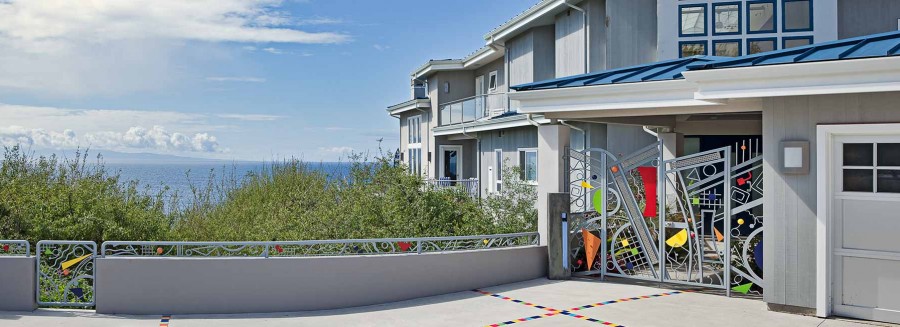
<point x="18" y="248"/>
<point x="473" y="108"/>
<point x="471" y="185"/>
<point x="317" y="248"/>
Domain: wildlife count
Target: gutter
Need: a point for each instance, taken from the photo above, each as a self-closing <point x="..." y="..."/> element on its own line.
<point x="587" y="36"/>
<point x="532" y="121"/>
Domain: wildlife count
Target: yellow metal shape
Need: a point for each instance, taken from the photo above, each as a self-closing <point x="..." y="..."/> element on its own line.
<point x="678" y="240"/>
<point x="70" y="263"/>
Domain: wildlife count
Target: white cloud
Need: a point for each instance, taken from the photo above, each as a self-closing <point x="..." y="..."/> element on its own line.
<point x="381" y="47"/>
<point x="76" y="48"/>
<point x="250" y="117"/>
<point x="156" y="138"/>
<point x="318" y="21"/>
<point x="338" y="149"/>
<point x="236" y="79"/>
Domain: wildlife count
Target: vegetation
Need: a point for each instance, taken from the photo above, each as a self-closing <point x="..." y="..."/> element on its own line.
<point x="78" y="199"/>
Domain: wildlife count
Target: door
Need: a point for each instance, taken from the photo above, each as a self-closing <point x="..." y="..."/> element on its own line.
<point x="866" y="202"/>
<point x="479" y="98"/>
<point x="451" y="162"/>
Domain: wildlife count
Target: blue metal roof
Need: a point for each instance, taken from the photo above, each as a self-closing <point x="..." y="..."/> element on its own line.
<point x="657" y="71"/>
<point x="869" y="46"/>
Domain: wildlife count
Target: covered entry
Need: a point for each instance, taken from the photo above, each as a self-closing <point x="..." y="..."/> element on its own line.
<point x="862" y="206"/>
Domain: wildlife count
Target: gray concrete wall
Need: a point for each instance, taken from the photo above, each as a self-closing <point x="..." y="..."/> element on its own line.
<point x="17" y="285"/>
<point x="790" y="201"/>
<point x="858" y="18"/>
<point x="240" y="285"/>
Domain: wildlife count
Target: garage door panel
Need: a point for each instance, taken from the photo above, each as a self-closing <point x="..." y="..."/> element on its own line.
<point x="872" y="283"/>
<point x="871" y="225"/>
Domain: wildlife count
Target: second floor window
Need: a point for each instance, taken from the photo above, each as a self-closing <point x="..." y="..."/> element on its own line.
<point x="761" y="16"/>
<point x="492" y="82"/>
<point x="727" y="18"/>
<point x="692" y="20"/>
<point x="414" y="148"/>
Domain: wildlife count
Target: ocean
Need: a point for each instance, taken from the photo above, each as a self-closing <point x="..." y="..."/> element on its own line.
<point x="179" y="177"/>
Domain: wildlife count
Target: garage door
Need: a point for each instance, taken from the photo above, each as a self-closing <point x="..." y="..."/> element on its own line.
<point x="867" y="227"/>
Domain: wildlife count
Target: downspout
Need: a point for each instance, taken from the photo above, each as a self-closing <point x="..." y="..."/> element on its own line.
<point x="493" y="44"/>
<point x="532" y="121"/>
<point x="584" y="136"/>
<point x="587" y="36"/>
<point x="651" y="132"/>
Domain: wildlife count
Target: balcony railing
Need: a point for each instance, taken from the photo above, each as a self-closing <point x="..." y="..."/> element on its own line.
<point x="473" y="108"/>
<point x="468" y="185"/>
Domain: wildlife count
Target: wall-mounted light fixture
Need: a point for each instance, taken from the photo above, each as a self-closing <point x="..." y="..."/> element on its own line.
<point x="795" y="157"/>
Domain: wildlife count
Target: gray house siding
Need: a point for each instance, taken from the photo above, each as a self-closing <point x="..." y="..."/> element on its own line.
<point x="531" y="56"/>
<point x="876" y="16"/>
<point x="510" y="141"/>
<point x="632" y="33"/>
<point x="499" y="66"/>
<point x="790" y="201"/>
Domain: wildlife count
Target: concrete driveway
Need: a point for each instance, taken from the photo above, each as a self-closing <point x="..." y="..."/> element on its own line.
<point x="532" y="303"/>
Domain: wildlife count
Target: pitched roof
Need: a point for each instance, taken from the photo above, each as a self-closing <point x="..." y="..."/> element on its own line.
<point x="869" y="46"/>
<point x="656" y="71"/>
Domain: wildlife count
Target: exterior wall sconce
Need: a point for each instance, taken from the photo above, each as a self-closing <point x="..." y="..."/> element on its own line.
<point x="795" y="157"/>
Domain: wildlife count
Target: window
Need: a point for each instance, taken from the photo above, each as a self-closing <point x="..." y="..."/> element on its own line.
<point x="797" y="15"/>
<point x="761" y="16"/>
<point x="414" y="147"/>
<point x="795" y="41"/>
<point x="871" y="167"/>
<point x="727" y="48"/>
<point x="498" y="173"/>
<point x="692" y="48"/>
<point x="727" y="18"/>
<point x="446" y="87"/>
<point x="755" y="46"/>
<point x="492" y="81"/>
<point x="692" y="20"/>
<point x="528" y="164"/>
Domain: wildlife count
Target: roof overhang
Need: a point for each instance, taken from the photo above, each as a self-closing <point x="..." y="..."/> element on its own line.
<point x="674" y="93"/>
<point x="814" y="78"/>
<point x="474" y="60"/>
<point x="541" y="13"/>
<point x="488" y="125"/>
<point x="413" y="104"/>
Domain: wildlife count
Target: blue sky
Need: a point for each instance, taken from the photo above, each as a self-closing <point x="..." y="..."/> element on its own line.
<point x="228" y="79"/>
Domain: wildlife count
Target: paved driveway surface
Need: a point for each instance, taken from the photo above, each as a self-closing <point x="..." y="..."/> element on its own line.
<point x="529" y="304"/>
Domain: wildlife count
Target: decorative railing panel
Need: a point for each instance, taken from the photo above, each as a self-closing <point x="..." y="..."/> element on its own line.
<point x="473" y="108"/>
<point x="20" y="248"/>
<point x="65" y="273"/>
<point x="470" y="186"/>
<point x="318" y="248"/>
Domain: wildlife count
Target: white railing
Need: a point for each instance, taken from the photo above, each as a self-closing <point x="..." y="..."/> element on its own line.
<point x="470" y="185"/>
<point x="473" y="108"/>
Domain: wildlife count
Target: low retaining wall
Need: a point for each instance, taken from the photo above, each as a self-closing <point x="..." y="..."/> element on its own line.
<point x="242" y="285"/>
<point x="17" y="287"/>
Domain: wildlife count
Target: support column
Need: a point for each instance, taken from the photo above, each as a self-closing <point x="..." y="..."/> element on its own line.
<point x="553" y="140"/>
<point x="673" y="145"/>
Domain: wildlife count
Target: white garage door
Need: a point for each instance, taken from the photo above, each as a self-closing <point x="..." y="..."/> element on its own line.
<point x="867" y="227"/>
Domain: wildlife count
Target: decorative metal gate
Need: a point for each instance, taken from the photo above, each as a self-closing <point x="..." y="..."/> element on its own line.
<point x="65" y="273"/>
<point x="693" y="220"/>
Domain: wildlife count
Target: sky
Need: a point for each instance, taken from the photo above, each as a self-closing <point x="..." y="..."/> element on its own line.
<point x="224" y="79"/>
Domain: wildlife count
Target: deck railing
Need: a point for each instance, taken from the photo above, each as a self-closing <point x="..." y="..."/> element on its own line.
<point x="473" y="108"/>
<point x="470" y="185"/>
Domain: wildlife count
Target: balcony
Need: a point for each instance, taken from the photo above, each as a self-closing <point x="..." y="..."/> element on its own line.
<point x="470" y="185"/>
<point x="473" y="108"/>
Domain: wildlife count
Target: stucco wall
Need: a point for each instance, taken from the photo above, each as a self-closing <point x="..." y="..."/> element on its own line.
<point x="790" y="201"/>
<point x="238" y="285"/>
<point x="17" y="285"/>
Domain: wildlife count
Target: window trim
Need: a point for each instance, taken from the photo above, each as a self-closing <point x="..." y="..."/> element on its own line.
<point x="773" y="39"/>
<point x="738" y="41"/>
<point x="417" y="168"/>
<point x="774" y="17"/>
<point x="740" y="23"/>
<point x="788" y="38"/>
<point x="703" y="42"/>
<point x="705" y="20"/>
<point x="492" y="76"/>
<point x="784" y="17"/>
<point x="519" y="153"/>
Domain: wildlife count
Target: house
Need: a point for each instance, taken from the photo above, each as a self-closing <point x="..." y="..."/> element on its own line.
<point x="812" y="208"/>
<point x="461" y="127"/>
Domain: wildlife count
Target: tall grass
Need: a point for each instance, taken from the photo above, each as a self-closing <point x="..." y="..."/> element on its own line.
<point x="78" y="198"/>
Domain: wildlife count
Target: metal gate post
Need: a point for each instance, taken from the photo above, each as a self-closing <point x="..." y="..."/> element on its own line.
<point x="726" y="189"/>
<point x="661" y="211"/>
<point x="603" y="213"/>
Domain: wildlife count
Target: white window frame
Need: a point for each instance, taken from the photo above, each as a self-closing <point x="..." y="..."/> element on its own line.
<point x="498" y="173"/>
<point x="459" y="160"/>
<point x="414" y="134"/>
<point x="520" y="157"/>
<point x="492" y="79"/>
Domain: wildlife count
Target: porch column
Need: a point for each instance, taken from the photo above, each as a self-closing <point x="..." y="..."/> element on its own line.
<point x="552" y="142"/>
